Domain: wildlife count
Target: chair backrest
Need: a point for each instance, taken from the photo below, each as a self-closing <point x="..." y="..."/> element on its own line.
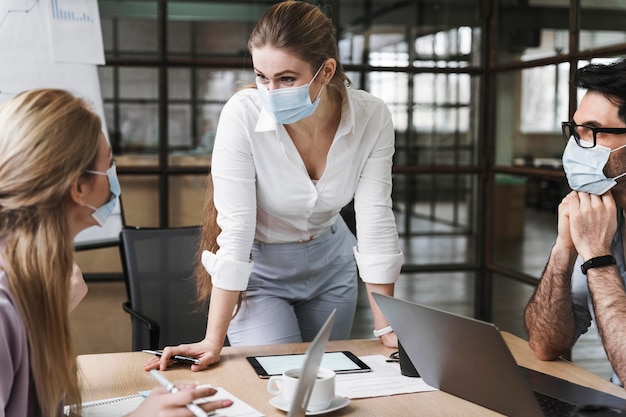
<point x="158" y="268"/>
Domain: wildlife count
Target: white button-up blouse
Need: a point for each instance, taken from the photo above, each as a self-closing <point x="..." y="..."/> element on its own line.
<point x="264" y="193"/>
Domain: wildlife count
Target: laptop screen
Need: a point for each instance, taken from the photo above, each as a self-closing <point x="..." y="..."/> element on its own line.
<point x="310" y="367"/>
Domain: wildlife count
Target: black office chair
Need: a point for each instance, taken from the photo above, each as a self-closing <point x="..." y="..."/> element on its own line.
<point x="158" y="268"/>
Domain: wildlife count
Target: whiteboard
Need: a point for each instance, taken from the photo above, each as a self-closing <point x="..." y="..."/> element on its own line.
<point x="38" y="49"/>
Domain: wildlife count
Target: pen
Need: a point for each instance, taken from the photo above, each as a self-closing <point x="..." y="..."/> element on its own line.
<point x="194" y="408"/>
<point x="179" y="358"/>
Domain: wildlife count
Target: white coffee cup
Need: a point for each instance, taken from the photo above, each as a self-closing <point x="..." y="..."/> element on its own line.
<point x="323" y="391"/>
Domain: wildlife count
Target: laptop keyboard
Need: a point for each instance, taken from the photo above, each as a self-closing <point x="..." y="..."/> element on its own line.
<point x="553" y="407"/>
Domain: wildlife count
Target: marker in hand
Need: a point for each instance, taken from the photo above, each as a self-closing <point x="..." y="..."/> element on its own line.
<point x="179" y="358"/>
<point x="194" y="408"/>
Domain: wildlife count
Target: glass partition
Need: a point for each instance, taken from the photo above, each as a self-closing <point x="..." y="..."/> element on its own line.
<point x="530" y="106"/>
<point x="186" y="198"/>
<point x="140" y="193"/>
<point x="524" y="223"/>
<point x="436" y="217"/>
<point x="602" y="24"/>
<point x="532" y="30"/>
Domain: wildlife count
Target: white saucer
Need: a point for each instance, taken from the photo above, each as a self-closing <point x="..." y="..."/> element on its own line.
<point x="336" y="404"/>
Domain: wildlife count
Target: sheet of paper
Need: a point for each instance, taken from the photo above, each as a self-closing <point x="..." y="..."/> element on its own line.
<point x="238" y="409"/>
<point x="75" y="33"/>
<point x="385" y="379"/>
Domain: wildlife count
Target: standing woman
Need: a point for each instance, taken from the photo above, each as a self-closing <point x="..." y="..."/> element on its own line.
<point x="288" y="155"/>
<point x="57" y="178"/>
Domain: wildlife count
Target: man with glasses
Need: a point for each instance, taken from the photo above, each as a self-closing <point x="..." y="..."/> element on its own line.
<point x="585" y="275"/>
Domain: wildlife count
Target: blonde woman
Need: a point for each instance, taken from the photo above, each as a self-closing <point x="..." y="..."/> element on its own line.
<point x="57" y="178"/>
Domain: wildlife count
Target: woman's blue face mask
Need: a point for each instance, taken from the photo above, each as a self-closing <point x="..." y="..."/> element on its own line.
<point x="102" y="213"/>
<point x="291" y="104"/>
<point x="584" y="167"/>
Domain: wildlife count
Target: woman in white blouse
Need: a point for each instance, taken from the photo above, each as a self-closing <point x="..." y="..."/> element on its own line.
<point x="288" y="155"/>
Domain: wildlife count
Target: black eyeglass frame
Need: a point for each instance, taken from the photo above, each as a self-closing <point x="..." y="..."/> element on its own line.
<point x="569" y="129"/>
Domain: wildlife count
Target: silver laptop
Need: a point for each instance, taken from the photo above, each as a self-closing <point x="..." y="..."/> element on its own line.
<point x="310" y="367"/>
<point x="469" y="359"/>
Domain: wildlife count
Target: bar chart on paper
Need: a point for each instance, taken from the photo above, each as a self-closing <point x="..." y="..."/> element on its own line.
<point x="75" y="33"/>
<point x="47" y="49"/>
<point x="66" y="14"/>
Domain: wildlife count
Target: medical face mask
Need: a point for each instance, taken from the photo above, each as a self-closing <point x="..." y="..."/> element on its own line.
<point x="102" y="213"/>
<point x="584" y="167"/>
<point x="291" y="104"/>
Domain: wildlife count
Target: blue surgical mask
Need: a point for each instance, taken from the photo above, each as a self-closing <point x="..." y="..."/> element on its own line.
<point x="291" y="104"/>
<point x="584" y="167"/>
<point x="102" y="213"/>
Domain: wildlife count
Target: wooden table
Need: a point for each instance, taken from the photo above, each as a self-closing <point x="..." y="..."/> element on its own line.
<point x="117" y="374"/>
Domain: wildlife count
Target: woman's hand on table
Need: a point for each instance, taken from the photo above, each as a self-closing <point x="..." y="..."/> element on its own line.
<point x="205" y="351"/>
<point x="162" y="403"/>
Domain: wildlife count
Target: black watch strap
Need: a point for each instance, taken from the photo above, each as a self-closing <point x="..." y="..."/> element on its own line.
<point x="597" y="262"/>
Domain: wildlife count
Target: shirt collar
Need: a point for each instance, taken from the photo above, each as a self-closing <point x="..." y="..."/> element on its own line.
<point x="347" y="123"/>
<point x="265" y="123"/>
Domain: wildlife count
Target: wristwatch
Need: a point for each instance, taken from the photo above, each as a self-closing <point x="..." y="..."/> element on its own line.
<point x="597" y="262"/>
<point x="383" y="331"/>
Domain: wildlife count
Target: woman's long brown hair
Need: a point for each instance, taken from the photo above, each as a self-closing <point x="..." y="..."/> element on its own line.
<point x="208" y="241"/>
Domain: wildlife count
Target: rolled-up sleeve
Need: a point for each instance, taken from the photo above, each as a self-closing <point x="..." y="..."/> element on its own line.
<point x="234" y="181"/>
<point x="379" y="268"/>
<point x="377" y="253"/>
<point x="225" y="273"/>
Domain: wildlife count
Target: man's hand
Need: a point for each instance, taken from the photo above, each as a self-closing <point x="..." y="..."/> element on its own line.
<point x="593" y="223"/>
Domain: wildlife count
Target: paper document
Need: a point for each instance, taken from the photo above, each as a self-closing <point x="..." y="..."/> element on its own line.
<point x="74" y="31"/>
<point x="121" y="406"/>
<point x="238" y="409"/>
<point x="385" y="379"/>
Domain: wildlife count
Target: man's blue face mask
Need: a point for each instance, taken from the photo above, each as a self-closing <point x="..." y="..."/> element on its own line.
<point x="584" y="167"/>
<point x="102" y="213"/>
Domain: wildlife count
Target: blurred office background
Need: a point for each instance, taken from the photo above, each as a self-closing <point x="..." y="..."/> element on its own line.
<point x="477" y="89"/>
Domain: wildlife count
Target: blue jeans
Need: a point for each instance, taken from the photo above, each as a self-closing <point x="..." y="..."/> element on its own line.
<point x="294" y="287"/>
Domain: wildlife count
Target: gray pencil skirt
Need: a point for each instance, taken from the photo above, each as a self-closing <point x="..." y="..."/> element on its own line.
<point x="294" y="287"/>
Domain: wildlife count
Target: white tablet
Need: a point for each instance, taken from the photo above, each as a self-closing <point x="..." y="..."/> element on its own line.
<point x="341" y="362"/>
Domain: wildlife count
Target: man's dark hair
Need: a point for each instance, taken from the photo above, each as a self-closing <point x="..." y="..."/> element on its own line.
<point x="606" y="79"/>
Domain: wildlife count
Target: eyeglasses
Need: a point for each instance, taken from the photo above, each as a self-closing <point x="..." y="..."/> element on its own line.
<point x="572" y="129"/>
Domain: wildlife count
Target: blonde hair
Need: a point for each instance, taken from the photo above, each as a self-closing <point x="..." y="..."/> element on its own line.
<point x="48" y="138"/>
